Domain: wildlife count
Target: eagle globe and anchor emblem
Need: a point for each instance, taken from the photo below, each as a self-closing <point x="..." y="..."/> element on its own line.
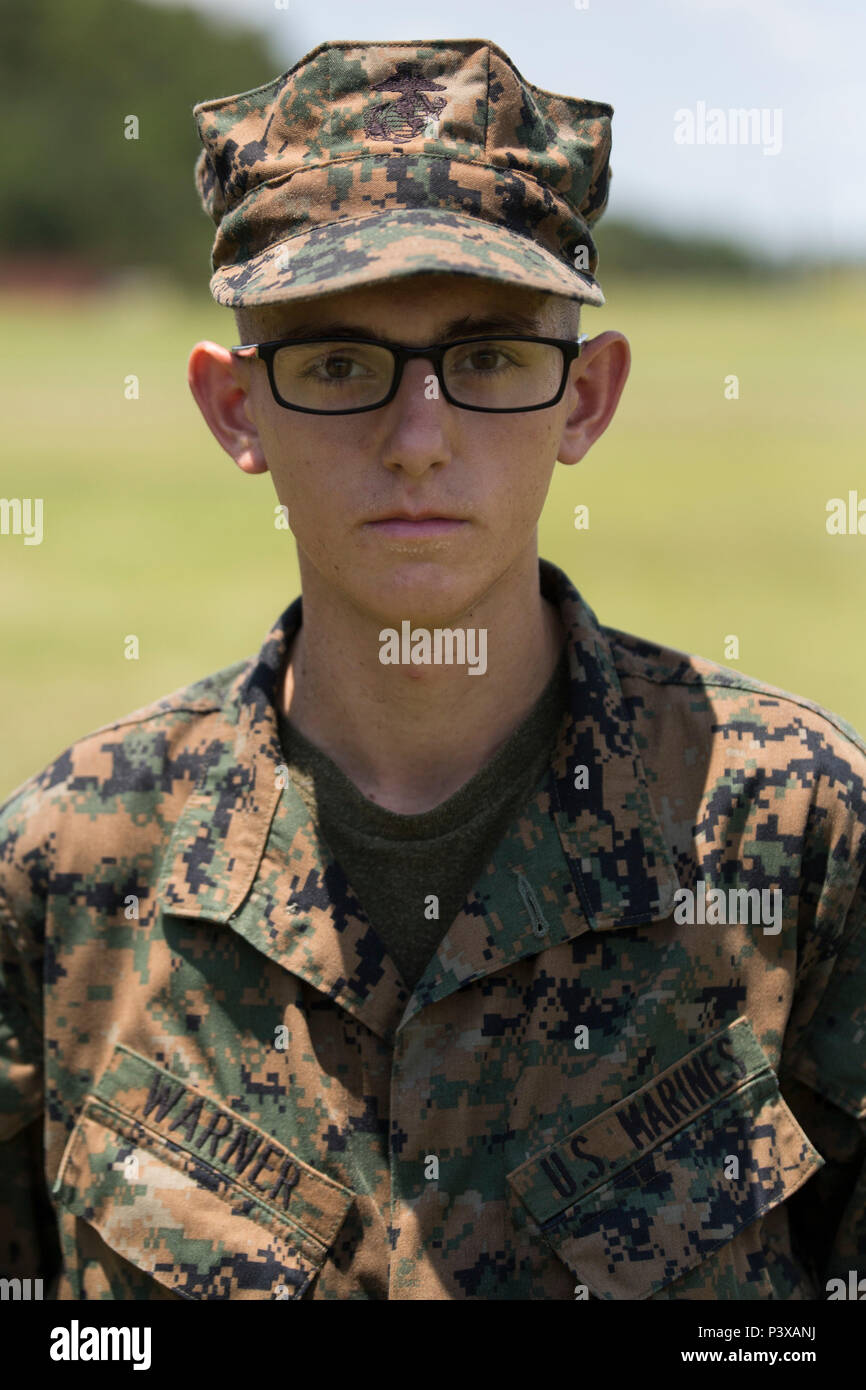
<point x="413" y="113"/>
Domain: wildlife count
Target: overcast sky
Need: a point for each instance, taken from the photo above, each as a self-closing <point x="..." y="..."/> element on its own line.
<point x="651" y="59"/>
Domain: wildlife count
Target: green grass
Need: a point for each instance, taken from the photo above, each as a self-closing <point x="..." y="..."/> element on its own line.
<point x="707" y="516"/>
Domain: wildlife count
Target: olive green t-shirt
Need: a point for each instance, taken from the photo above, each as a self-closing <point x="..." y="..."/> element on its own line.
<point x="394" y="863"/>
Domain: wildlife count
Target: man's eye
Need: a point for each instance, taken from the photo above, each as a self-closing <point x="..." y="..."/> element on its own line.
<point x="335" y="367"/>
<point x="484" y="358"/>
<point x="338" y="367"/>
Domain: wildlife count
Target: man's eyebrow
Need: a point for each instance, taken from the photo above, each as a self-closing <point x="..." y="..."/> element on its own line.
<point x="467" y="326"/>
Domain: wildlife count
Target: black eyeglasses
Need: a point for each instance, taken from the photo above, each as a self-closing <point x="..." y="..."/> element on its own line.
<point x="345" y="375"/>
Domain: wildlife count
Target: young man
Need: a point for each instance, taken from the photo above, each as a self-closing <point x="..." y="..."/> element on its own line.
<point x="454" y="946"/>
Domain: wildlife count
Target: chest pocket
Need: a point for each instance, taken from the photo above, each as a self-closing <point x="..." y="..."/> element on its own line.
<point x="652" y="1194"/>
<point x="191" y="1193"/>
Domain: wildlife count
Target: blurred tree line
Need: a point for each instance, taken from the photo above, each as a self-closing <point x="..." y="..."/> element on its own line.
<point x="74" y="186"/>
<point x="76" y="189"/>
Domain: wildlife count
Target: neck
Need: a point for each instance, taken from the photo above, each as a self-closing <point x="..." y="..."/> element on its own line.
<point x="408" y="736"/>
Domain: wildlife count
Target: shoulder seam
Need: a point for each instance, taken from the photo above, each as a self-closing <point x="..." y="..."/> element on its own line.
<point x="752" y="687"/>
<point x="143" y="716"/>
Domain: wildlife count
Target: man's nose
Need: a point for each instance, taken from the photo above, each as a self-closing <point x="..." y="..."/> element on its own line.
<point x="419" y="380"/>
<point x="416" y="426"/>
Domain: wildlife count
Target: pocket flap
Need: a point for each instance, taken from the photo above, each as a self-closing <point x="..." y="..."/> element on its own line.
<point x="650" y="1188"/>
<point x="192" y="1193"/>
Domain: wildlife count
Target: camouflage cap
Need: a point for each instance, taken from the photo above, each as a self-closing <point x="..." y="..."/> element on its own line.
<point x="368" y="162"/>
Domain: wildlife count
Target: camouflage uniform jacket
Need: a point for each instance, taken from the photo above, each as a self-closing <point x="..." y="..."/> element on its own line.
<point x="216" y="1085"/>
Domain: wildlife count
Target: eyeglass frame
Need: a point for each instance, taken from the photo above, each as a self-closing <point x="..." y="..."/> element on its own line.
<point x="434" y="353"/>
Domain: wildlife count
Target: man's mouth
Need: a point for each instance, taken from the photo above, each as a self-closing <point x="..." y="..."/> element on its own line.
<point x="416" y="525"/>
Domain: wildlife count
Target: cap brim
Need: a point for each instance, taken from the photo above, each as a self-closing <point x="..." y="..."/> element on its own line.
<point x="393" y="245"/>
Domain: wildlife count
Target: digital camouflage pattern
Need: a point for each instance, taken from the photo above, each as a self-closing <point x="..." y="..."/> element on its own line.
<point x="240" y="1098"/>
<point x="367" y="162"/>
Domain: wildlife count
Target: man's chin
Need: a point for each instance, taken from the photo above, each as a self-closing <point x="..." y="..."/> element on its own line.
<point x="429" y="593"/>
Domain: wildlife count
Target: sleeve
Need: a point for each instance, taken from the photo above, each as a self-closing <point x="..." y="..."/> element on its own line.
<point x="823" y="1080"/>
<point x="29" y="1244"/>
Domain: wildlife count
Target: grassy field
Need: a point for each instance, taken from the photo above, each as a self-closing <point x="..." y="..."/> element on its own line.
<point x="707" y="515"/>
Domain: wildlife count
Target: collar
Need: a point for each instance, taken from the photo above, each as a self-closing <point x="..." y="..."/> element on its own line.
<point x="592" y="857"/>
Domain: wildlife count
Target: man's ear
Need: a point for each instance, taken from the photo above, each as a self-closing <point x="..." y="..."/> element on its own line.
<point x="598" y="376"/>
<point x="221" y="384"/>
